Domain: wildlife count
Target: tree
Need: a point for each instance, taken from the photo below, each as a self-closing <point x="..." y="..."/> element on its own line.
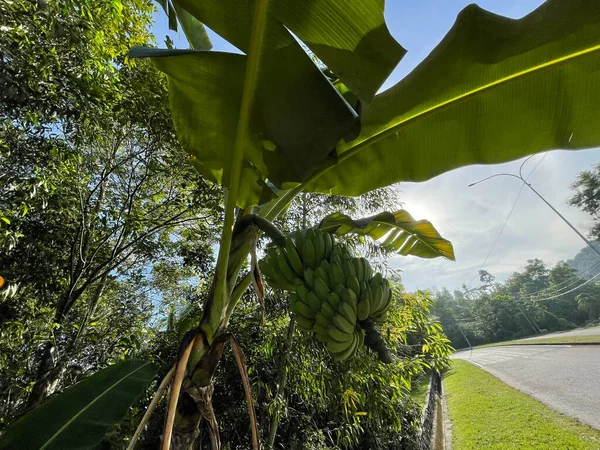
<point x="587" y="197"/>
<point x="94" y="184"/>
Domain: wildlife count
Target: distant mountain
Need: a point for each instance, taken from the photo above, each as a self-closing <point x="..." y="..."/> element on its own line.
<point x="586" y="262"/>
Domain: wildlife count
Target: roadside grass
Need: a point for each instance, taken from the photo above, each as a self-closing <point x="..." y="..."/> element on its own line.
<point x="590" y="339"/>
<point x="487" y="414"/>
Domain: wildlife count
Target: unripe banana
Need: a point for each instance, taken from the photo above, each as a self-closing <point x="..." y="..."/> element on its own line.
<point x="334" y="300"/>
<point x="348" y="352"/>
<point x="376" y="280"/>
<point x="319" y="245"/>
<point x="328" y="241"/>
<point x="300" y="308"/>
<point x="358" y="268"/>
<point x="342" y="323"/>
<point x="367" y="269"/>
<point x="354" y="285"/>
<point x="294" y="257"/>
<point x="328" y="311"/>
<point x="335" y="259"/>
<point x="320" y="329"/>
<point x="313" y="301"/>
<point x="348" y="268"/>
<point x="349" y="297"/>
<point x="309" y="275"/>
<point x="322" y="320"/>
<point x="308" y="253"/>
<point x="321" y="333"/>
<point x="386" y="302"/>
<point x="339" y="289"/>
<point x="337" y="274"/>
<point x="273" y="276"/>
<point x="339" y="336"/>
<point x="348" y="313"/>
<point x="302" y="292"/>
<point x="304" y="323"/>
<point x="363" y="308"/>
<point x="321" y="273"/>
<point x="377" y="300"/>
<point x="361" y="337"/>
<point x="285" y="268"/>
<point x="321" y="289"/>
<point x="336" y="347"/>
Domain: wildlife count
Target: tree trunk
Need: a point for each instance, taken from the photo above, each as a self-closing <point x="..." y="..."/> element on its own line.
<point x="281" y="384"/>
<point x="47" y="377"/>
<point x="51" y="367"/>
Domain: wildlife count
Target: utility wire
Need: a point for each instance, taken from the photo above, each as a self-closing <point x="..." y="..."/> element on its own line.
<point x="552" y="290"/>
<point x="507" y="218"/>
<point x="568" y="292"/>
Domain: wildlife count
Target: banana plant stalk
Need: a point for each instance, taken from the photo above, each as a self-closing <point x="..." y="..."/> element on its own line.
<point x="194" y="403"/>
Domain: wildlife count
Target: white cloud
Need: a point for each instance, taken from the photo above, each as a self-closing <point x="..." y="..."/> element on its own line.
<point x="472" y="219"/>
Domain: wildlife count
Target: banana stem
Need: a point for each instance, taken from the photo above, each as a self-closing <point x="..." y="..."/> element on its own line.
<point x="265" y="225"/>
<point x="375" y="342"/>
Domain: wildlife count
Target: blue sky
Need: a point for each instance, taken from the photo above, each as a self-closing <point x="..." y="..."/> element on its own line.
<point x="473" y="217"/>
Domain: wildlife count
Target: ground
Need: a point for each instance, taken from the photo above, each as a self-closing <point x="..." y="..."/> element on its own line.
<point x="487" y="414"/>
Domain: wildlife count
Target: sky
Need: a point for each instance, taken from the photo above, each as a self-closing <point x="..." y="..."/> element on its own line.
<point x="472" y="218"/>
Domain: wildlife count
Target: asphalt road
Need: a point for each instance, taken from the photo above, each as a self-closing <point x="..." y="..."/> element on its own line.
<point x="564" y="377"/>
<point x="592" y="331"/>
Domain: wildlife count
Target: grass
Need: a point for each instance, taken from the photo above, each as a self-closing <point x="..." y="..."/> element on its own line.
<point x="487" y="414"/>
<point x="590" y="339"/>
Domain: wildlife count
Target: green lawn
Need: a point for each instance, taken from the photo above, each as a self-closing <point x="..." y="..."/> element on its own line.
<point x="590" y="339"/>
<point x="487" y="414"/>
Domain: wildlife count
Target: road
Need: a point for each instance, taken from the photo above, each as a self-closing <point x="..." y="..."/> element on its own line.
<point x="592" y="331"/>
<point x="564" y="377"/>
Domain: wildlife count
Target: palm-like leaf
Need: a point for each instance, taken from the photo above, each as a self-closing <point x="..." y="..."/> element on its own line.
<point x="298" y="116"/>
<point x="79" y="417"/>
<point x="494" y="90"/>
<point x="396" y="231"/>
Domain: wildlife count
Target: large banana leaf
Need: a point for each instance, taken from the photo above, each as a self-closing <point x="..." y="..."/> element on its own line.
<point x="79" y="417"/>
<point x="298" y="117"/>
<point x="397" y="231"/>
<point x="494" y="90"/>
<point x="349" y="36"/>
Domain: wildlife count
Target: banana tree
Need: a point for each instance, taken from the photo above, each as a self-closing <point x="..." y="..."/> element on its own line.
<point x="271" y="123"/>
<point x="298" y="111"/>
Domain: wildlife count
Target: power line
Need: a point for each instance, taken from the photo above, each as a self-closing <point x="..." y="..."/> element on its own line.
<point x="568" y="292"/>
<point x="507" y="217"/>
<point x="557" y="288"/>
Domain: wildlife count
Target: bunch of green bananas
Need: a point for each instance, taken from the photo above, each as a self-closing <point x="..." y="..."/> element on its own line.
<point x="333" y="292"/>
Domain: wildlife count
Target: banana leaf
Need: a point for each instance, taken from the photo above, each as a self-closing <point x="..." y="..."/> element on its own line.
<point x="494" y="90"/>
<point x="397" y="231"/>
<point x="79" y="417"/>
<point x="350" y="37"/>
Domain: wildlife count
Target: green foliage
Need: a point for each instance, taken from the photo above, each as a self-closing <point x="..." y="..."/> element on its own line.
<point x="79" y="417"/>
<point x="96" y="196"/>
<point x="423" y="126"/>
<point x="357" y="403"/>
<point x="531" y="300"/>
<point x="587" y="197"/>
<point x="398" y="232"/>
<point x="487" y="414"/>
